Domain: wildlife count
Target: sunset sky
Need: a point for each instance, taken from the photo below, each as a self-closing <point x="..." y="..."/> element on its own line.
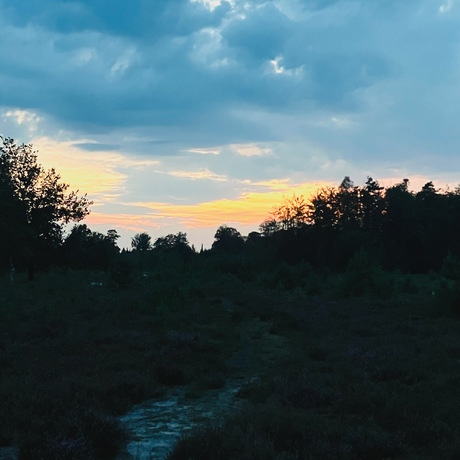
<point x="182" y="115"/>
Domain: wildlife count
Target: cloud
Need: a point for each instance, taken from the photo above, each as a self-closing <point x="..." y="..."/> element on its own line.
<point x="204" y="151"/>
<point x="94" y="173"/>
<point x="132" y="222"/>
<point x="162" y="101"/>
<point x="250" y="150"/>
<point x="172" y="64"/>
<point x="124" y="62"/>
<point x="250" y="208"/>
<point x="211" y="4"/>
<point x="204" y="174"/>
<point x="95" y="146"/>
<point x="445" y="7"/>
<point x="26" y="118"/>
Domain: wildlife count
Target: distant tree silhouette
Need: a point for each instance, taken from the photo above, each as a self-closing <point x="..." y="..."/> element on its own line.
<point x="400" y="232"/>
<point x="113" y="236"/>
<point x="253" y="237"/>
<point x="86" y="249"/>
<point x="346" y="183"/>
<point x="293" y="212"/>
<point x="434" y="218"/>
<point x="349" y="209"/>
<point x="141" y="242"/>
<point x="35" y="202"/>
<point x="171" y="241"/>
<point x="401" y="229"/>
<point x="325" y="208"/>
<point x="373" y="206"/>
<point x="227" y="239"/>
<point x="174" y="244"/>
<point x="269" y="226"/>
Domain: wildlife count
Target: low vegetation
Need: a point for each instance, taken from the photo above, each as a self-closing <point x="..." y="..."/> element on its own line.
<point x="342" y="315"/>
<point x="330" y="374"/>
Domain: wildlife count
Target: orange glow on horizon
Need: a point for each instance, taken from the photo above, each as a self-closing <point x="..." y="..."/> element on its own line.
<point x="251" y="208"/>
<point x="135" y="223"/>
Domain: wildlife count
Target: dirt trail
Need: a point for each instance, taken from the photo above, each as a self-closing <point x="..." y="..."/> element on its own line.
<point x="155" y="426"/>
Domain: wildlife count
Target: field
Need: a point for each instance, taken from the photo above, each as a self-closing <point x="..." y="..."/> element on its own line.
<point x="357" y="365"/>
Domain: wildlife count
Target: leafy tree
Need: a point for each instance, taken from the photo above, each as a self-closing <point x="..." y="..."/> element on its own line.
<point x="176" y="245"/>
<point x="86" y="249"/>
<point x="227" y="239"/>
<point x="350" y="206"/>
<point x="400" y="230"/>
<point x="346" y="184"/>
<point x="269" y="226"/>
<point x="113" y="236"/>
<point x="293" y="212"/>
<point x="35" y="203"/>
<point x="171" y="241"/>
<point x="324" y="208"/>
<point x="141" y="242"/>
<point x="373" y="206"/>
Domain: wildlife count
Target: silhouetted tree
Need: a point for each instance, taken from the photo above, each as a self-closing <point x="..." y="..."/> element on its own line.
<point x="227" y="239"/>
<point x="36" y="203"/>
<point x="141" y="242"/>
<point x="86" y="249"/>
<point x="293" y="212"/>
<point x="373" y="206"/>
<point x="346" y="183"/>
<point x="398" y="228"/>
<point x="325" y="208"/>
<point x="113" y="236"/>
<point x="174" y="245"/>
<point x="400" y="231"/>
<point x="349" y="209"/>
<point x="171" y="241"/>
<point x="269" y="226"/>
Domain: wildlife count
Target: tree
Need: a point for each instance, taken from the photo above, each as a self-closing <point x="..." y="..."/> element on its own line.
<point x="269" y="226"/>
<point x="373" y="206"/>
<point x="83" y="248"/>
<point x="172" y="241"/>
<point x="293" y="212"/>
<point x="35" y="201"/>
<point x="349" y="205"/>
<point x="174" y="246"/>
<point x="113" y="236"/>
<point x="338" y="207"/>
<point x="347" y="183"/>
<point x="325" y="208"/>
<point x="227" y="239"/>
<point x="141" y="242"/>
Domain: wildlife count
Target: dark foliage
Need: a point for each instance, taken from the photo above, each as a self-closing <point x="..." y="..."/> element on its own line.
<point x="413" y="232"/>
<point x="341" y="315"/>
<point x="83" y="248"/>
<point x="34" y="204"/>
<point x="141" y="242"/>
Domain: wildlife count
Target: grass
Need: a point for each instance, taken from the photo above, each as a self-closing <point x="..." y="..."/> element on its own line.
<point x="335" y="369"/>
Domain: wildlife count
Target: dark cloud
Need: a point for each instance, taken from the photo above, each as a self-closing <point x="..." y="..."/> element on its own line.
<point x="261" y="35"/>
<point x="136" y="18"/>
<point x="177" y="67"/>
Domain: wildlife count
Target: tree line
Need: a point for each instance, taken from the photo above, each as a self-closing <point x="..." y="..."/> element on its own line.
<point x="396" y="227"/>
<point x="399" y="228"/>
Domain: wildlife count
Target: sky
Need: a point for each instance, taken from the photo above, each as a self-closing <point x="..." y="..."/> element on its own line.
<point x="183" y="115"/>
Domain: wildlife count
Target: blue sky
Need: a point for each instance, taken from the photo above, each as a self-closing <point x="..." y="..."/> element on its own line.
<point x="183" y="115"/>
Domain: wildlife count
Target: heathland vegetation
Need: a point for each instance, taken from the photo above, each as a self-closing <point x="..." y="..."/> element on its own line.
<point x="342" y="314"/>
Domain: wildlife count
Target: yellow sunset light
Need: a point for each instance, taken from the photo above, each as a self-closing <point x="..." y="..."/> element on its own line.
<point x="251" y="208"/>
